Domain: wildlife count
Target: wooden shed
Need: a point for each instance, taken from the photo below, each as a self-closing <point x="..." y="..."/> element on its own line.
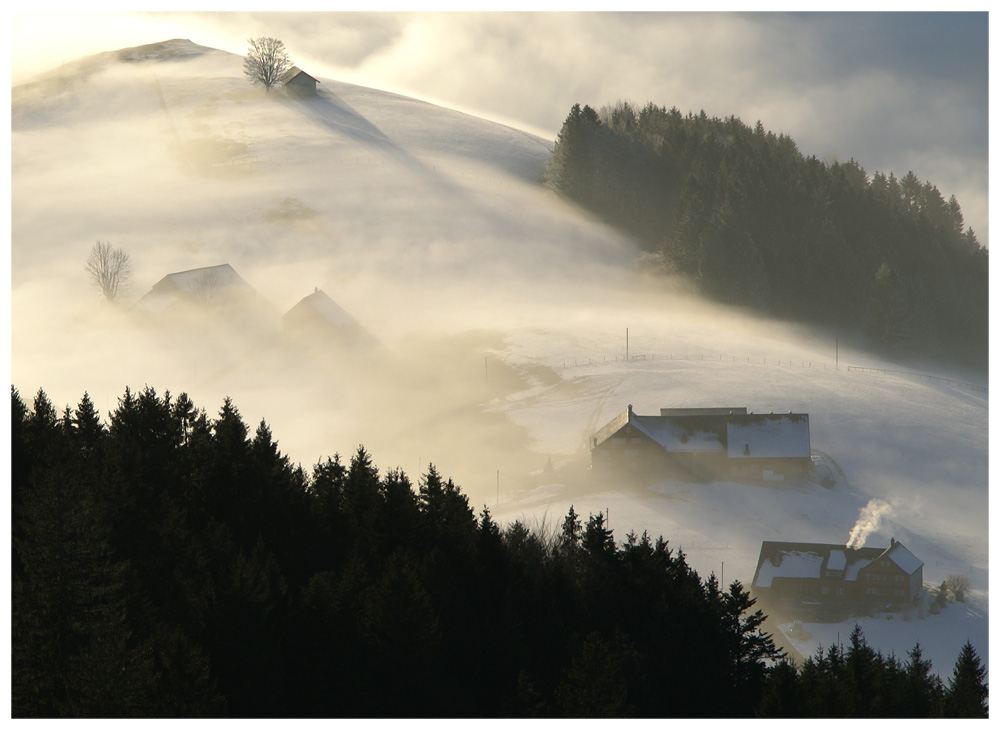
<point x="298" y="83"/>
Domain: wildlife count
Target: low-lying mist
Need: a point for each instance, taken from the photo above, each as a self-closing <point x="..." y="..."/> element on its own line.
<point x="427" y="226"/>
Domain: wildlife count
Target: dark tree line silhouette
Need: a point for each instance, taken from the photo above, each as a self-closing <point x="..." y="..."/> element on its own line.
<point x="752" y="222"/>
<point x="165" y="564"/>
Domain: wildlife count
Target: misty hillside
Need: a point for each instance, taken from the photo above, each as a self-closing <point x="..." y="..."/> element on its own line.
<point x="503" y="311"/>
<point x="752" y="221"/>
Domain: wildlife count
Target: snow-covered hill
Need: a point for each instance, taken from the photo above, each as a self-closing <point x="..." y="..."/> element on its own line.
<point x="504" y="310"/>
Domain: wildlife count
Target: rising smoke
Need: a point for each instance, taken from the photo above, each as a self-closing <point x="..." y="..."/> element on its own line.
<point x="868" y="521"/>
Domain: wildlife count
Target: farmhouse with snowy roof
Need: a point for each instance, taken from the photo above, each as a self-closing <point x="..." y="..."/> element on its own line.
<point x="206" y="285"/>
<point x="298" y="82"/>
<point x="800" y="575"/>
<point x="318" y="320"/>
<point x="700" y="444"/>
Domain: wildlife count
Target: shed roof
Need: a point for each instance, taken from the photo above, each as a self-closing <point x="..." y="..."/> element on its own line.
<point x="293" y="73"/>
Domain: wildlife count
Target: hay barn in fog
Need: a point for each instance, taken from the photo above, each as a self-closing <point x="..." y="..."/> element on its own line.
<point x="318" y="320"/>
<point x="298" y="83"/>
<point x="701" y="444"/>
<point x="208" y="285"/>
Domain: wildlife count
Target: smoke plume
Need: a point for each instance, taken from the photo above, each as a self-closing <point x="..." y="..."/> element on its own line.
<point x="868" y="521"/>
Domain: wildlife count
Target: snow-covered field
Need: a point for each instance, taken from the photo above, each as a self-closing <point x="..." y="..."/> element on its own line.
<point x="503" y="313"/>
<point x="917" y="447"/>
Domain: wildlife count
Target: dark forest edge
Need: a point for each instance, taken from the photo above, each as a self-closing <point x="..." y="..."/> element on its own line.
<point x="751" y="222"/>
<point x="165" y="564"/>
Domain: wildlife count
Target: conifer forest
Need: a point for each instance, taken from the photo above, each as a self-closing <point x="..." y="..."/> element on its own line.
<point x="170" y="564"/>
<point x="750" y="221"/>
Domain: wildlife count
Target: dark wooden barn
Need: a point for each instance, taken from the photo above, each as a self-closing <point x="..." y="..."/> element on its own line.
<point x="298" y="83"/>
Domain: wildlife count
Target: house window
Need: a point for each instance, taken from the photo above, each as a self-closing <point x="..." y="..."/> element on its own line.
<point x="631" y="452"/>
<point x="636" y="440"/>
<point x="898" y="591"/>
<point x="899" y="579"/>
<point x="840" y="591"/>
<point x="825" y="590"/>
<point x="617" y="440"/>
<point x="884" y="563"/>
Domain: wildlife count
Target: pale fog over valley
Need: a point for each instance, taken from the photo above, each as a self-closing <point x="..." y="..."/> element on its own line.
<point x="394" y="247"/>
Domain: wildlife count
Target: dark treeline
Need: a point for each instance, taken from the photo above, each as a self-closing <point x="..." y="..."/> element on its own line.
<point x="860" y="682"/>
<point x="749" y="220"/>
<point x="165" y="564"/>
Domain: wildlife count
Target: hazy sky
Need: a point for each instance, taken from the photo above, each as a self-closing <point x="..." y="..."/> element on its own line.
<point x="895" y="91"/>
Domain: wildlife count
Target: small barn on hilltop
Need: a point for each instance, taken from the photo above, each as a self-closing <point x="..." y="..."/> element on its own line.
<point x="835" y="578"/>
<point x="317" y="320"/>
<point x="298" y="83"/>
<point x="701" y="444"/>
<point x="209" y="285"/>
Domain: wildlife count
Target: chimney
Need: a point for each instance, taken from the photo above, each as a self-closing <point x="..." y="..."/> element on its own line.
<point x="892" y="542"/>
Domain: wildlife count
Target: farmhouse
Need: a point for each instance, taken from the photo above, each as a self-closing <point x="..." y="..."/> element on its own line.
<point x="318" y="320"/>
<point x="700" y="444"/>
<point x="798" y="575"/>
<point x="298" y="83"/>
<point x="210" y="285"/>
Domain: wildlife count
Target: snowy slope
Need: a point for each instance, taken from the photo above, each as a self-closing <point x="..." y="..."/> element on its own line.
<point x="917" y="447"/>
<point x="505" y="310"/>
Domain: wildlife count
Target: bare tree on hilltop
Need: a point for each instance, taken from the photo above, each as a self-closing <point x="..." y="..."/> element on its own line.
<point x="265" y="62"/>
<point x="110" y="270"/>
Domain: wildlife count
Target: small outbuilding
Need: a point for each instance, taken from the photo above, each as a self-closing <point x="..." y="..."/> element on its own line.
<point x="298" y="83"/>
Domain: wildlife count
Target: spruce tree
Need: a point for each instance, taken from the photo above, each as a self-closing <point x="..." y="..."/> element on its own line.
<point x="968" y="692"/>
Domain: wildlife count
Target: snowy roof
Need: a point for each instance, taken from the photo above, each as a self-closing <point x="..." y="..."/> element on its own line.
<point x="809" y="560"/>
<point x="614" y="425"/>
<point x="851" y="573"/>
<point x="680" y="434"/>
<point x="907" y="561"/>
<point x="328" y="310"/>
<point x="837" y="560"/>
<point x="768" y="436"/>
<point x="705" y="430"/>
<point x="294" y="72"/>
<point x="206" y="282"/>
<point x="222" y="276"/>
<point x="793" y="564"/>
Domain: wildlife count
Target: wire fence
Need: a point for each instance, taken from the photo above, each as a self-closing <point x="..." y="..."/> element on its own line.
<point x="919" y="376"/>
<point x="718" y="357"/>
<point x="790" y="362"/>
